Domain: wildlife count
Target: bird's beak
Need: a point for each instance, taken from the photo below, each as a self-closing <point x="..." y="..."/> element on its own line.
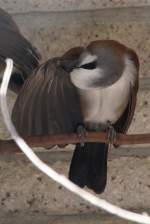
<point x="69" y="65"/>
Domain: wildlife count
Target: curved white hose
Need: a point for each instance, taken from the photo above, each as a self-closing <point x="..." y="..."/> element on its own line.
<point x="144" y="218"/>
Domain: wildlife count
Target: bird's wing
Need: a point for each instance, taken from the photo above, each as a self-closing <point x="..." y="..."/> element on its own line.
<point x="125" y="120"/>
<point x="14" y="45"/>
<point x="122" y="125"/>
<point x="6" y="21"/>
<point x="47" y="103"/>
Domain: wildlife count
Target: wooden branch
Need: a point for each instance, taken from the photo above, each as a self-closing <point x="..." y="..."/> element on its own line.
<point x="48" y="140"/>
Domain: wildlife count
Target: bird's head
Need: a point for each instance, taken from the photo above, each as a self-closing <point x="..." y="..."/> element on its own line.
<point x="98" y="65"/>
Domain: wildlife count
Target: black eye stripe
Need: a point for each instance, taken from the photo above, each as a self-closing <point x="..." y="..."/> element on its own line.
<point x="91" y="65"/>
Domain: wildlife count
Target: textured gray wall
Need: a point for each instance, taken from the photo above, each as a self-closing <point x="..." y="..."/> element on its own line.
<point x="21" y="6"/>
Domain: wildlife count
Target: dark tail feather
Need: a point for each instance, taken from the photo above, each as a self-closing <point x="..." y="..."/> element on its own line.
<point x="89" y="166"/>
<point x="79" y="166"/>
<point x="97" y="170"/>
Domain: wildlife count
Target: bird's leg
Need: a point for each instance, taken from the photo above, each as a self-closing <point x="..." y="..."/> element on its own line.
<point x="81" y="132"/>
<point x="112" y="134"/>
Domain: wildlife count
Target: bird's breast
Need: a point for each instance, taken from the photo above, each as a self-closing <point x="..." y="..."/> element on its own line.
<point x="99" y="107"/>
<point x="108" y="104"/>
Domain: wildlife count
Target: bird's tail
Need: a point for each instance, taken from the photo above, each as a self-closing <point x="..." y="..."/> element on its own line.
<point x="13" y="45"/>
<point x="89" y="166"/>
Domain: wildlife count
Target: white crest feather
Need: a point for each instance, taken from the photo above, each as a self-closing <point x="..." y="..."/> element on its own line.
<point x="88" y="59"/>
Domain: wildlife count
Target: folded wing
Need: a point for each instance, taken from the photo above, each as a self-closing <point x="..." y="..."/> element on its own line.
<point x="47" y="103"/>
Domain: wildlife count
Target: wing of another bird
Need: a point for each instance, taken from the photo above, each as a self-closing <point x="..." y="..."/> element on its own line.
<point x="6" y="21"/>
<point x="14" y="45"/>
<point x="47" y="103"/>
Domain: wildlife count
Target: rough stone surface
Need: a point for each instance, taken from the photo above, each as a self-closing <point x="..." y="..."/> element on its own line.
<point x="141" y="120"/>
<point x="17" y="6"/>
<point x="54" y="33"/>
<point x="38" y="218"/>
<point x="24" y="188"/>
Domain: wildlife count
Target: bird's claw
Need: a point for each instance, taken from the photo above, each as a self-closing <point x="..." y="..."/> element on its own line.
<point x="81" y="132"/>
<point x="112" y="134"/>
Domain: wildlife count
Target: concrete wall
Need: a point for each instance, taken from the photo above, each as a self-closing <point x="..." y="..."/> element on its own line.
<point x="54" y="33"/>
<point x="26" y="6"/>
<point x="23" y="188"/>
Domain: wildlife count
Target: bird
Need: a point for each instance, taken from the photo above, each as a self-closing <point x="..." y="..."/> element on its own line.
<point x="89" y="88"/>
<point x="15" y="46"/>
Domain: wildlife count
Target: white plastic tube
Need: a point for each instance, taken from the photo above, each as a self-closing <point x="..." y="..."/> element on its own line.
<point x="139" y="218"/>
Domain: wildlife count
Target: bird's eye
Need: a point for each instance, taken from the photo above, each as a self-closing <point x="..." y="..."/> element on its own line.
<point x="90" y="65"/>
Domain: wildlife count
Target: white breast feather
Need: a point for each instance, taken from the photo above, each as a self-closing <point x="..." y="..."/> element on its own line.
<point x="82" y="78"/>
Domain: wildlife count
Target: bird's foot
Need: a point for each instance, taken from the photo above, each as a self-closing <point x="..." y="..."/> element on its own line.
<point x="112" y="134"/>
<point x="81" y="132"/>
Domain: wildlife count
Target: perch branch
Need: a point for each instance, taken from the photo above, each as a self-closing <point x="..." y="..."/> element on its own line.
<point x="48" y="140"/>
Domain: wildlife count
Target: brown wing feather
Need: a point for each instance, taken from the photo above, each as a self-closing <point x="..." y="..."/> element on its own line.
<point x="125" y="120"/>
<point x="48" y="103"/>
